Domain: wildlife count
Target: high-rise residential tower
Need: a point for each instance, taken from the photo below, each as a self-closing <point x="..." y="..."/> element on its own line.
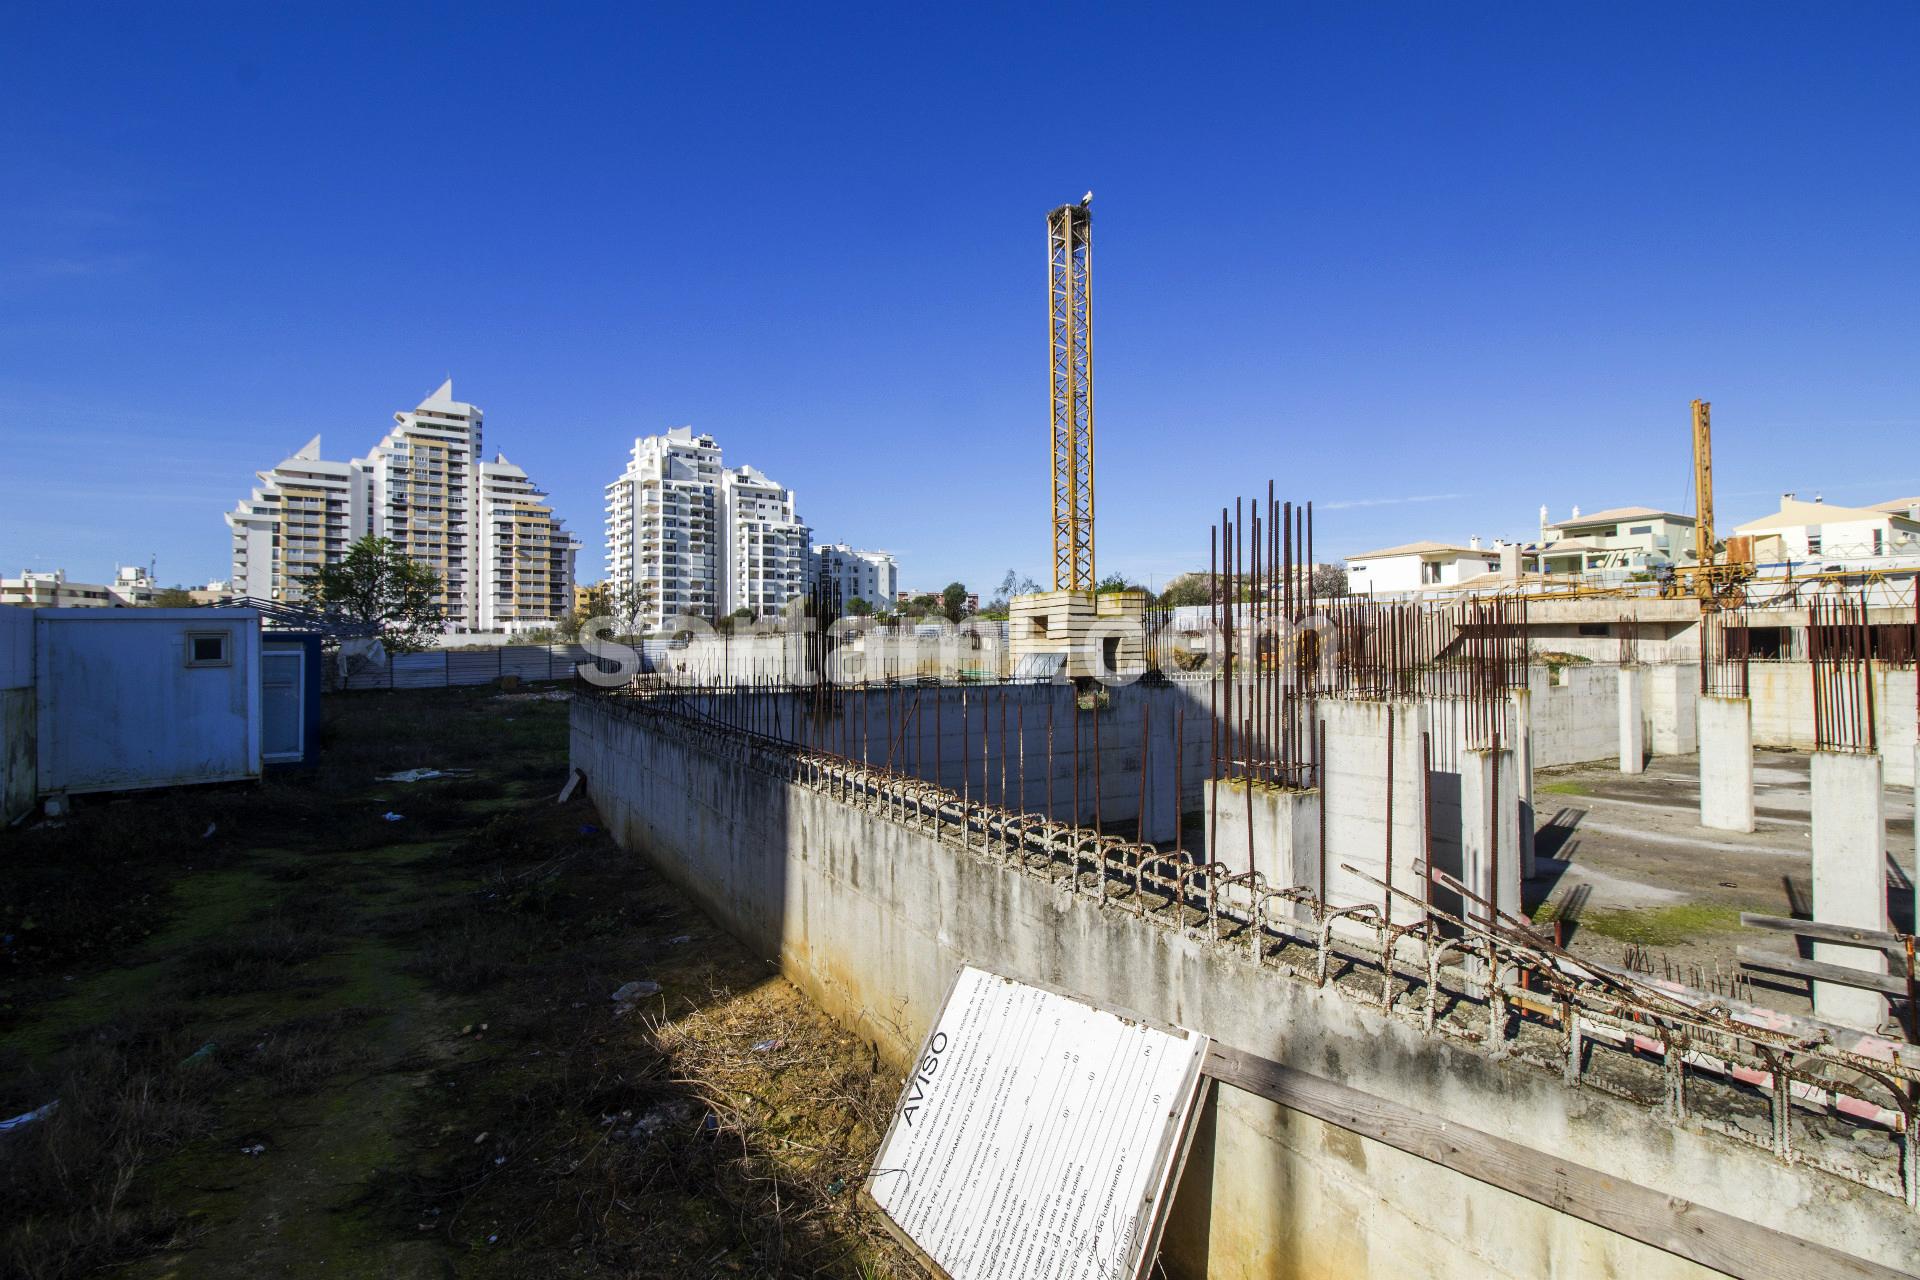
<point x="861" y="575"/>
<point x="302" y="515"/>
<point x="705" y="539"/>
<point x="504" y="560"/>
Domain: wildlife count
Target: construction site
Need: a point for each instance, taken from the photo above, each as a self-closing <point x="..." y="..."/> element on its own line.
<point x="1537" y="931"/>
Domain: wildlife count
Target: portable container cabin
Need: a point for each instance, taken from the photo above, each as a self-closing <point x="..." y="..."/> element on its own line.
<point x="136" y="698"/>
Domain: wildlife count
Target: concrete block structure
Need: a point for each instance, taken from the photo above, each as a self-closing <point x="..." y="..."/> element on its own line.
<point x="1849" y="877"/>
<point x="1726" y="763"/>
<point x="1100" y="635"/>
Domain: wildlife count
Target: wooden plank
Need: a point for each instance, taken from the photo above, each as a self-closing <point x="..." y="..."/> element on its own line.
<point x="1820" y="971"/>
<point x="1894" y="945"/>
<point x="1709" y="1237"/>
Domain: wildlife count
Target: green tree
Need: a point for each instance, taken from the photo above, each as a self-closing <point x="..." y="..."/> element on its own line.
<point x="953" y="601"/>
<point x="859" y="608"/>
<point x="628" y="602"/>
<point x="1329" y="580"/>
<point x="1115" y="582"/>
<point x="172" y="598"/>
<point x="375" y="583"/>
<point x="1014" y="584"/>
<point x="1188" y="588"/>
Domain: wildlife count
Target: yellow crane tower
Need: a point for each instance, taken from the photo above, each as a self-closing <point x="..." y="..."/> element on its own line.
<point x="1714" y="584"/>
<point x="1703" y="499"/>
<point x="1070" y="339"/>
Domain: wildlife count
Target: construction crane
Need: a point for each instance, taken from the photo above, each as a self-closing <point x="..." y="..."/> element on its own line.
<point x="1703" y="499"/>
<point x="1070" y="347"/>
<point x="1715" y="585"/>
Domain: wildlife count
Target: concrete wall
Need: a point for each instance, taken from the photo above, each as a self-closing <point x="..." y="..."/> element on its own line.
<point x="872" y="918"/>
<point x="1782" y="694"/>
<point x="992" y="742"/>
<point x="1574" y="715"/>
<point x="18" y="789"/>
<point x="1576" y="712"/>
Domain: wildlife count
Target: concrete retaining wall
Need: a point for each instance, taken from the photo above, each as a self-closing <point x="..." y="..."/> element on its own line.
<point x="1574" y="715"/>
<point x="1015" y="745"/>
<point x="18" y="781"/>
<point x="1782" y="694"/>
<point x="872" y="918"/>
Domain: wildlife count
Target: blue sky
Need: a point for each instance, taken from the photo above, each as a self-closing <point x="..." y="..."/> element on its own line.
<point x="1429" y="265"/>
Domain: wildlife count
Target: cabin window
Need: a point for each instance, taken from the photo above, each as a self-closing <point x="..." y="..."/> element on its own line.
<point x="208" y="649"/>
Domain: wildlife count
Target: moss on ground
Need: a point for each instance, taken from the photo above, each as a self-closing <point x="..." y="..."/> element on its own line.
<point x="1650" y="926"/>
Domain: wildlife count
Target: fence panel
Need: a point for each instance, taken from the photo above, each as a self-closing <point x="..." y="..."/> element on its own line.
<point x="417" y="671"/>
<point x="473" y="666"/>
<point x="527" y="662"/>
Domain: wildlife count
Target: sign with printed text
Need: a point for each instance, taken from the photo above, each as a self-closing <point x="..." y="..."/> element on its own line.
<point x="1037" y="1136"/>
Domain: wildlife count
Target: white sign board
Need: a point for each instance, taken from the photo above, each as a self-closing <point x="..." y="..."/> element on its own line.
<point x="1037" y="1136"/>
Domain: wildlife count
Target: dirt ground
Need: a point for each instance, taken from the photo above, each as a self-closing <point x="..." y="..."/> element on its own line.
<point x="289" y="1035"/>
<point x="1625" y="863"/>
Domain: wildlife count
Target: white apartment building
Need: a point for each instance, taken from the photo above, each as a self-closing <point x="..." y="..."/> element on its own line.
<point x="132" y="586"/>
<point x="421" y="485"/>
<point x="504" y="560"/>
<point x="1841" y="537"/>
<point x="1416" y="566"/>
<point x="303" y="514"/>
<point x="765" y="553"/>
<point x="661" y="525"/>
<point x="708" y="539"/>
<point x="872" y="576"/>
<point x="1618" y="542"/>
<point x="523" y="562"/>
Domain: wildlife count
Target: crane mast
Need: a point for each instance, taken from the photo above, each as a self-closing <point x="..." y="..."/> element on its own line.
<point x="1070" y="344"/>
<point x="1703" y="577"/>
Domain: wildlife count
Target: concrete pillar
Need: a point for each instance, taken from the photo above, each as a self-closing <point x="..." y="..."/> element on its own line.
<point x="1523" y="775"/>
<point x="1285" y="832"/>
<point x="1489" y="830"/>
<point x="1726" y="763"/>
<point x="1849" y="877"/>
<point x="1356" y="799"/>
<point x="1633" y="734"/>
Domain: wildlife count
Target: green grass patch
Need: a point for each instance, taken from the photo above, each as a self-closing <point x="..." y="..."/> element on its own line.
<point x="1653" y="926"/>
<point x="1566" y="788"/>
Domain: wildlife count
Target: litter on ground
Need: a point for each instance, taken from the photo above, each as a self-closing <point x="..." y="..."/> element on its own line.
<point x="422" y="775"/>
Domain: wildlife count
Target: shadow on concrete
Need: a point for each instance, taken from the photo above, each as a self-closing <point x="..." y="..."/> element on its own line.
<point x="1554" y="847"/>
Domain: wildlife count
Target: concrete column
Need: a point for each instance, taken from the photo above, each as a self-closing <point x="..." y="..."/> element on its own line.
<point x="1849" y="877"/>
<point x="1726" y="763"/>
<point x="1283" y="839"/>
<point x="1356" y="799"/>
<point x="1633" y="734"/>
<point x="1489" y="830"/>
<point x="1523" y="775"/>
